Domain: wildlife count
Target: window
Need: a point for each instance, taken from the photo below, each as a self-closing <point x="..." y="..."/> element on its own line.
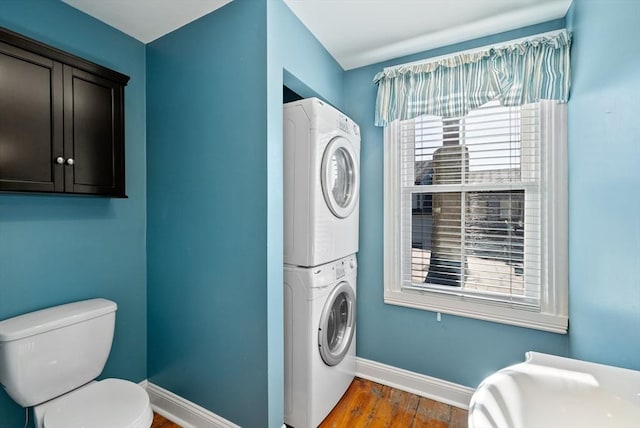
<point x="475" y="214"/>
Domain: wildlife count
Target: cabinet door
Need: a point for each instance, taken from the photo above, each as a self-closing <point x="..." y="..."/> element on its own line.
<point x="30" y="121"/>
<point x="93" y="134"/>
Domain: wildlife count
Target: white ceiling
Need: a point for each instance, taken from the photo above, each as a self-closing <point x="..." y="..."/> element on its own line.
<point x="146" y="20"/>
<point x="363" y="32"/>
<point x="355" y="32"/>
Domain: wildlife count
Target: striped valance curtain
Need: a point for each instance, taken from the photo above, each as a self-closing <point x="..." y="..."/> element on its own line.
<point x="515" y="74"/>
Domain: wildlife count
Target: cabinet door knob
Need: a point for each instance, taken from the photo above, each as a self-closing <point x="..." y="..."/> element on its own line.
<point x="59" y="160"/>
<point x="70" y="161"/>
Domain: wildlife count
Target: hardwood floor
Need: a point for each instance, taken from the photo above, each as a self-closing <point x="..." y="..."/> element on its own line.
<point x="368" y="404"/>
<point x="371" y="405"/>
<point x="162" y="422"/>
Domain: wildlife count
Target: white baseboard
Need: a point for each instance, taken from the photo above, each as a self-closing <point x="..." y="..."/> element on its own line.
<point x="415" y="383"/>
<point x="181" y="411"/>
<point x="190" y="415"/>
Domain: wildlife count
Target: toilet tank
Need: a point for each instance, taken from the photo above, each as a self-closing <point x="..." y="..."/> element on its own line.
<point x="47" y="353"/>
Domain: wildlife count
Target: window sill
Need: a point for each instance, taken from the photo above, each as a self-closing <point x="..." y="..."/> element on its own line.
<point x="464" y="307"/>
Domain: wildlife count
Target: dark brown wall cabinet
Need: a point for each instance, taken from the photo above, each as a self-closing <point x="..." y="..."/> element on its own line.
<point x="61" y="121"/>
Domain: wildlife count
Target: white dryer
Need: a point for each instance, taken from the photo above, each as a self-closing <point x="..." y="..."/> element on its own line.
<point x="321" y="183"/>
<point x="319" y="336"/>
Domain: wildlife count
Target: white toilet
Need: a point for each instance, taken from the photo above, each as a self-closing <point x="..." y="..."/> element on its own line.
<point x="50" y="359"/>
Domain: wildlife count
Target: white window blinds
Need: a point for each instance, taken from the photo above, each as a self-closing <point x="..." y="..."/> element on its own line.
<point x="471" y="203"/>
<point x="474" y="196"/>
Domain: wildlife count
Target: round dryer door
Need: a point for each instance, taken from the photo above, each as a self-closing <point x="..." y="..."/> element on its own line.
<point x="340" y="178"/>
<point x="337" y="324"/>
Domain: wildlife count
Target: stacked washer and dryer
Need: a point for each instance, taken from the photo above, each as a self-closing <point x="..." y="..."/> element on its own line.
<point x="321" y="198"/>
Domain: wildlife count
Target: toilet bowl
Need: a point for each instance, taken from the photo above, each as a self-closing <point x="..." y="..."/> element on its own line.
<point x="49" y="360"/>
<point x="108" y="403"/>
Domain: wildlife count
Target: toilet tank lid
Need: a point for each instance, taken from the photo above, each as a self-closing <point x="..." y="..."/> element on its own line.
<point x="52" y="318"/>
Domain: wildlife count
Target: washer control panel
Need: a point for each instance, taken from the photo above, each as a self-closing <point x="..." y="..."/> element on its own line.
<point x="332" y="272"/>
<point x="344" y="267"/>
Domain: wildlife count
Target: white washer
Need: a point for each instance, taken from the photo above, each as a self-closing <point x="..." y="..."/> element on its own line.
<point x="321" y="183"/>
<point x="319" y="337"/>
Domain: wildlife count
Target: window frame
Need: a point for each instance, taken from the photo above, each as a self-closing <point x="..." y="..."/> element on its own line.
<point x="553" y="312"/>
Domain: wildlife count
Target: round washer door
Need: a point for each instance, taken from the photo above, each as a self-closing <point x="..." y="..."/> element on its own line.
<point x="340" y="178"/>
<point x="337" y="324"/>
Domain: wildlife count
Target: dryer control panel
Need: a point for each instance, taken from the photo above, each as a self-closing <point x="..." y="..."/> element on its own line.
<point x="347" y="125"/>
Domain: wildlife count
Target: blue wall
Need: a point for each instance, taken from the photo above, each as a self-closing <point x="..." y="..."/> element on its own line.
<point x="207" y="205"/>
<point x="457" y="349"/>
<point x="215" y="203"/>
<point x="57" y="249"/>
<point x="297" y="59"/>
<point x="604" y="182"/>
<point x="304" y="64"/>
